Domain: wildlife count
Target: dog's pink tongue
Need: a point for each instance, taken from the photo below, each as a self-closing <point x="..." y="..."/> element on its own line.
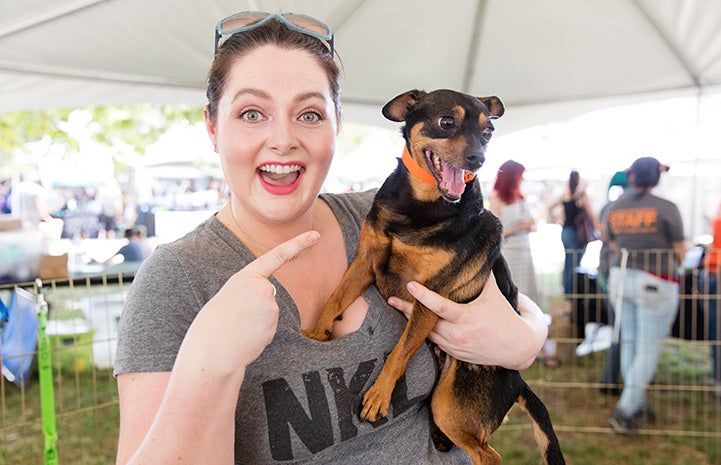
<point x="453" y="181"/>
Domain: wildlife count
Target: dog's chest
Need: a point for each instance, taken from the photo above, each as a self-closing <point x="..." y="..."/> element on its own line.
<point x="416" y="262"/>
<point x="439" y="254"/>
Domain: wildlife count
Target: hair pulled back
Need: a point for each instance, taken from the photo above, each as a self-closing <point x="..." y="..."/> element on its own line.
<point x="272" y="33"/>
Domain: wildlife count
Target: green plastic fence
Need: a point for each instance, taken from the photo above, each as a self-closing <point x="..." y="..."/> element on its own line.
<point x="47" y="393"/>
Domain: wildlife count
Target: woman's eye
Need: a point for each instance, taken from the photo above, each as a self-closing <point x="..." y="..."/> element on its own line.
<point x="446" y="122"/>
<point x="310" y="117"/>
<point x="251" y="115"/>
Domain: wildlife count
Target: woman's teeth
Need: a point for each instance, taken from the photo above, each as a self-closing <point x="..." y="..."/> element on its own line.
<point x="280" y="169"/>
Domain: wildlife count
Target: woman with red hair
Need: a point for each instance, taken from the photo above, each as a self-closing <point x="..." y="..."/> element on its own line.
<point x="509" y="204"/>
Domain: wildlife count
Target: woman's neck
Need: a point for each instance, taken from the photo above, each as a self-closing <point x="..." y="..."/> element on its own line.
<point x="260" y="237"/>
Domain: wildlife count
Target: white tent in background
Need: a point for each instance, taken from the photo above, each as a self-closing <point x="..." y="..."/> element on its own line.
<point x="546" y="59"/>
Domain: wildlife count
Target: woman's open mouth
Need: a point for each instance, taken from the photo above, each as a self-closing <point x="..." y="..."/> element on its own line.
<point x="280" y="179"/>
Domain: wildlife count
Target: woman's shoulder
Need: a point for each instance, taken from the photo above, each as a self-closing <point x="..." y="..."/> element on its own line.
<point x="209" y="244"/>
<point x="195" y="240"/>
<point x="354" y="205"/>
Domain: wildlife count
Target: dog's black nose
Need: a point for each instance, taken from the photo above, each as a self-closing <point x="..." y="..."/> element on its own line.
<point x="475" y="159"/>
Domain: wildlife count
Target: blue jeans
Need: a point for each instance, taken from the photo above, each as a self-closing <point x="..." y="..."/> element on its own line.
<point x="648" y="310"/>
<point x="708" y="285"/>
<point x="574" y="251"/>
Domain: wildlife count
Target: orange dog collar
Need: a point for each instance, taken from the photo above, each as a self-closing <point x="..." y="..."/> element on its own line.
<point x="423" y="175"/>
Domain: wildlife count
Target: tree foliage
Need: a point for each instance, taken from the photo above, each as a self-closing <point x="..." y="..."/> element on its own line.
<point x="136" y="126"/>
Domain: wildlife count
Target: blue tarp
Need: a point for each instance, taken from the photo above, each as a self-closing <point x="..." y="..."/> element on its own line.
<point x="19" y="338"/>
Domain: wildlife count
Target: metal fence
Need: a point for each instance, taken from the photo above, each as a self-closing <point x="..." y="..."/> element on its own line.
<point x="84" y="315"/>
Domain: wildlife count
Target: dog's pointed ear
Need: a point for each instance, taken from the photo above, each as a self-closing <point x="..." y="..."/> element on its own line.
<point x="494" y="105"/>
<point x="397" y="109"/>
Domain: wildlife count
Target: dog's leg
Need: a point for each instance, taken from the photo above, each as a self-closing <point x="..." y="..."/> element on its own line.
<point x="483" y="455"/>
<point x="377" y="399"/>
<point x="502" y="272"/>
<point x="542" y="427"/>
<point x="359" y="275"/>
<point x="355" y="280"/>
<point x="465" y="422"/>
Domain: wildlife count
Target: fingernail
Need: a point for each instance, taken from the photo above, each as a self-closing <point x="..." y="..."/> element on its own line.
<point x="314" y="236"/>
<point x="412" y="287"/>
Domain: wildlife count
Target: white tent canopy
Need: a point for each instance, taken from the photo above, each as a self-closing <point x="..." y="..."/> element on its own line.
<point x="546" y="59"/>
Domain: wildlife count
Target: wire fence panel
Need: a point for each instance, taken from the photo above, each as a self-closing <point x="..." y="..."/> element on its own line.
<point x="580" y="393"/>
<point x="82" y="328"/>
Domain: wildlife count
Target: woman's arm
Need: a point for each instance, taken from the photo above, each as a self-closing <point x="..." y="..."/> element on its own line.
<point x="486" y="331"/>
<point x="589" y="210"/>
<point x="495" y="205"/>
<point x="552" y="218"/>
<point x="184" y="417"/>
<point x="188" y="415"/>
<point x="679" y="250"/>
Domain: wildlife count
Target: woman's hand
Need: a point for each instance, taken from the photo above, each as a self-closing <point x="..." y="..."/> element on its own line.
<point x="487" y="330"/>
<point x="525" y="225"/>
<point x="241" y="318"/>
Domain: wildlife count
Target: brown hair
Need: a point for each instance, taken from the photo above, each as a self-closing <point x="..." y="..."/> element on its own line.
<point x="272" y="33"/>
<point x="573" y="179"/>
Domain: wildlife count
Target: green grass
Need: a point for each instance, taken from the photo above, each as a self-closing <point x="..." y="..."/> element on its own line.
<point x="687" y="432"/>
<point x="88" y="418"/>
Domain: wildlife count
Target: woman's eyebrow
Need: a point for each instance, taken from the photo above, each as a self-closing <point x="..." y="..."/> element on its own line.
<point x="265" y="95"/>
<point x="309" y="96"/>
<point x="251" y="91"/>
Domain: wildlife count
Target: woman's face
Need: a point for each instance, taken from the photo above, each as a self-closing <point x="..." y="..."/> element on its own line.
<point x="275" y="132"/>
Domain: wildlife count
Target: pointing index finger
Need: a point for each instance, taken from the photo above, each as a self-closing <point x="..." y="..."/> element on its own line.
<point x="269" y="262"/>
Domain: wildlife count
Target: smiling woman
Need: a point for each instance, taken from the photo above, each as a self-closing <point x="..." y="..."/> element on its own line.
<point x="213" y="321"/>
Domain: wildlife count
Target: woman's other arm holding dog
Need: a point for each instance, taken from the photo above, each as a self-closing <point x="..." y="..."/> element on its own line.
<point x="487" y="330"/>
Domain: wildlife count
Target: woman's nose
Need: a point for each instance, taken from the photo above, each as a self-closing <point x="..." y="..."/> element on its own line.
<point x="282" y="138"/>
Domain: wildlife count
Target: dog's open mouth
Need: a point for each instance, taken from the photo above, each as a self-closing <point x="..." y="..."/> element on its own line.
<point x="450" y="180"/>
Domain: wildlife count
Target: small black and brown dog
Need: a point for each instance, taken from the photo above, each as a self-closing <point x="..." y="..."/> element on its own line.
<point x="428" y="224"/>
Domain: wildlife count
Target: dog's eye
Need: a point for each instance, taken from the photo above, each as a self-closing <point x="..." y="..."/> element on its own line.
<point x="487" y="133"/>
<point x="446" y="122"/>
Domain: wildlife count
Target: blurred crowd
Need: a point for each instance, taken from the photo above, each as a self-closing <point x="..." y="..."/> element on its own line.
<point x="105" y="210"/>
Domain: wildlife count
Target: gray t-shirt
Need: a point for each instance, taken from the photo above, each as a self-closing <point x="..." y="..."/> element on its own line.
<point x="300" y="399"/>
<point x="646" y="226"/>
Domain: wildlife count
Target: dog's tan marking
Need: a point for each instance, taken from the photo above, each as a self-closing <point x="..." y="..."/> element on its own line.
<point x="376" y="400"/>
<point x="538" y="434"/>
<point x="418" y="263"/>
<point x="482" y="120"/>
<point x="462" y="425"/>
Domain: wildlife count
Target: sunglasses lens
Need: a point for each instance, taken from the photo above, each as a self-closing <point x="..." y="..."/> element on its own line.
<point x="249" y="20"/>
<point x="309" y="24"/>
<point x="241" y="20"/>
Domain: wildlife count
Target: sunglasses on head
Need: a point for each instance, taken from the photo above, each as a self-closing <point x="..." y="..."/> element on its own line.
<point x="249" y="20"/>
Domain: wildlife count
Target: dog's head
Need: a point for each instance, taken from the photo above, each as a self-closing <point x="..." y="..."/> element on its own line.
<point x="446" y="133"/>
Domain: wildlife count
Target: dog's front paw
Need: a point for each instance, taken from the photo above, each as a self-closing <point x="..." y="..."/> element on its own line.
<point x="375" y="404"/>
<point x="318" y="333"/>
